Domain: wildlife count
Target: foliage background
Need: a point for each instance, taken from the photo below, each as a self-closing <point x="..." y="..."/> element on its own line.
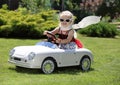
<point x="23" y="24"/>
<point x="102" y="29"/>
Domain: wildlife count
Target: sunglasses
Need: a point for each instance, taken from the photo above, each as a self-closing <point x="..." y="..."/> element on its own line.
<point x="67" y="20"/>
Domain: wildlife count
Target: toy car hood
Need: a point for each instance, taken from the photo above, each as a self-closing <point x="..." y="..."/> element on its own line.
<point x="25" y="50"/>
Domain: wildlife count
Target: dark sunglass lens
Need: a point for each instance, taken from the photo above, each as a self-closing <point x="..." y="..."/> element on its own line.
<point x="67" y="20"/>
<point x="61" y="20"/>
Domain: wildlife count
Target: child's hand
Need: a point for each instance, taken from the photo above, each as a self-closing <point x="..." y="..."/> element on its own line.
<point x="58" y="40"/>
<point x="46" y="33"/>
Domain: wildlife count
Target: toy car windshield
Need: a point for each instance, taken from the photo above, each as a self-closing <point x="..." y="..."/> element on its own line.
<point x="48" y="44"/>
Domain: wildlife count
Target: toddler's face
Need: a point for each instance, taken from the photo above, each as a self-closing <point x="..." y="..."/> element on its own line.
<point x="65" y="21"/>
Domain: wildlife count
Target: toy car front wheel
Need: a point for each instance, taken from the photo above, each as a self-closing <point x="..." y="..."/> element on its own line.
<point x="48" y="66"/>
<point x="85" y="64"/>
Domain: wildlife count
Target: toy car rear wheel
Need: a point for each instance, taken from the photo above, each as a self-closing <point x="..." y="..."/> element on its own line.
<point x="85" y="63"/>
<point x="48" y="66"/>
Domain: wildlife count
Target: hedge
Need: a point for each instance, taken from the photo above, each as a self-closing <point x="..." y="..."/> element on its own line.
<point x="102" y="29"/>
<point x="21" y="23"/>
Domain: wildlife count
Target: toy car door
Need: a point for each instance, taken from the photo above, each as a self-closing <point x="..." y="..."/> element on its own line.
<point x="69" y="58"/>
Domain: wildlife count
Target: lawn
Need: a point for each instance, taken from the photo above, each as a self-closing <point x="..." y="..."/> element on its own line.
<point x="104" y="71"/>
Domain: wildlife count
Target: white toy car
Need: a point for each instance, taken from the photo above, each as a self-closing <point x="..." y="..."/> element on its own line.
<point x="47" y="56"/>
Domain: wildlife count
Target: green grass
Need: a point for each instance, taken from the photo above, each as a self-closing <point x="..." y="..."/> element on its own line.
<point x="104" y="71"/>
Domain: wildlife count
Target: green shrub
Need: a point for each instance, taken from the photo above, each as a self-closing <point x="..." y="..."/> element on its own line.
<point x="101" y="29"/>
<point x="22" y="24"/>
<point x="48" y="25"/>
<point x="23" y="29"/>
<point x="5" y="6"/>
<point x="2" y="22"/>
<point x="48" y="15"/>
<point x="5" y="30"/>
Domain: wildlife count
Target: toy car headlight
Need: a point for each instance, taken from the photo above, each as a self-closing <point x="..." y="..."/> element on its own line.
<point x="12" y="52"/>
<point x="31" y="56"/>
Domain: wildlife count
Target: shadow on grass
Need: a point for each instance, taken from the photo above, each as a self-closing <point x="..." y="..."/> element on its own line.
<point x="74" y="70"/>
<point x="25" y="70"/>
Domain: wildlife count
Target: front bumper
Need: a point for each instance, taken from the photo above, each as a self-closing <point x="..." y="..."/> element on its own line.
<point x="23" y="63"/>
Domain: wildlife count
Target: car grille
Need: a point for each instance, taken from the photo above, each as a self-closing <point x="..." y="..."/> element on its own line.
<point x="18" y="59"/>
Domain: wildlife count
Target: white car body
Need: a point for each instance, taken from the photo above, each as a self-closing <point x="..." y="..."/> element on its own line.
<point x="33" y="56"/>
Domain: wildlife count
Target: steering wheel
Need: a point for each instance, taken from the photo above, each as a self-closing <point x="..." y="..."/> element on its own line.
<point x="53" y="38"/>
